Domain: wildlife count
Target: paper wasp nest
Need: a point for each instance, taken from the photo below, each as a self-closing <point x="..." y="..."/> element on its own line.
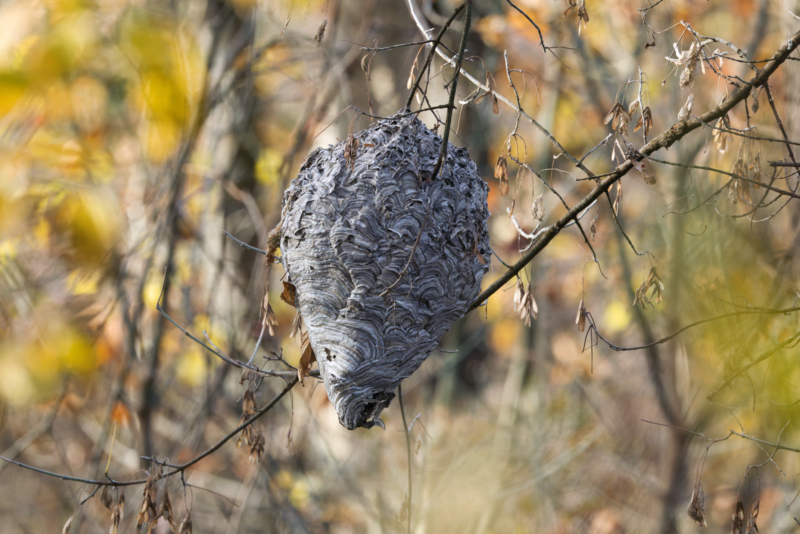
<point x="384" y="257"/>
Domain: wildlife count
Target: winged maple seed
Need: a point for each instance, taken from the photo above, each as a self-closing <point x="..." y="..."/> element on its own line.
<point x="645" y="121"/>
<point x="117" y="512"/>
<point x="583" y="15"/>
<point x="722" y="137"/>
<point x="737" y="519"/>
<point x="752" y="527"/>
<point x="165" y="510"/>
<point x="618" y="117"/>
<point x="501" y="173"/>
<point x="653" y="284"/>
<point x="186" y="524"/>
<point x="250" y="436"/>
<point x="739" y="189"/>
<point x="148" y="514"/>
<point x="633" y="107"/>
<point x="519" y="293"/>
<point x="697" y="506"/>
<point x="580" y="319"/>
<point x="618" y="199"/>
<point x="524" y="303"/>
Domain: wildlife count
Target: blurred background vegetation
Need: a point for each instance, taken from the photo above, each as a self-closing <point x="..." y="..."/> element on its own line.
<point x="133" y="133"/>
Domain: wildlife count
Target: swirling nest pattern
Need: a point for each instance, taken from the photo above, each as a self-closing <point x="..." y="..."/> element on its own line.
<point x="348" y="229"/>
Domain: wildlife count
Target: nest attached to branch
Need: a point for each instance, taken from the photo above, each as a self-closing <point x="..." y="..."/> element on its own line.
<point x="384" y="257"/>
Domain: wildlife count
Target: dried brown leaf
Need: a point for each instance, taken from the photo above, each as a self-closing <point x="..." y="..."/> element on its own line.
<point x="289" y="294"/>
<point x="495" y="106"/>
<point x="105" y="497"/>
<point x="307" y="357"/>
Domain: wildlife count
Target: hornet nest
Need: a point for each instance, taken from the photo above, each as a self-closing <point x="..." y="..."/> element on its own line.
<point x="384" y="257"/>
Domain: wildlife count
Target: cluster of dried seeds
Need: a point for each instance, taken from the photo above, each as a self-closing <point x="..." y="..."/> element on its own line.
<point x="524" y="303"/>
<point x="654" y="285"/>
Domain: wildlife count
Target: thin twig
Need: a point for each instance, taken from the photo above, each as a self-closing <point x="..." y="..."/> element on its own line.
<point x="462" y="48"/>
<point x="407" y="432"/>
<point x="757" y="311"/>
<point x="179" y="468"/>
<point x="434" y="48"/>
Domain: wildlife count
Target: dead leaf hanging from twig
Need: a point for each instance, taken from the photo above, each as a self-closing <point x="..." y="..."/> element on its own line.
<point x="501" y="173"/>
<point x="307" y="357"/>
<point x="289" y="294"/>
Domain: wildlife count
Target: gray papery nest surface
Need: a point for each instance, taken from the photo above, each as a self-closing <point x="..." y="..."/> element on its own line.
<point x="384" y="257"/>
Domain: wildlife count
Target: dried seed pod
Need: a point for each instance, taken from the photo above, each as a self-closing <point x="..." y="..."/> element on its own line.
<point x="384" y="257"/>
<point x="697" y="506"/>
